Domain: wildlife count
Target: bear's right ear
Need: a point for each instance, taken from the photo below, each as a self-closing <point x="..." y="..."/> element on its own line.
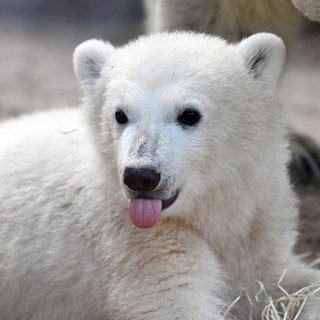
<point x="89" y="58"/>
<point x="264" y="57"/>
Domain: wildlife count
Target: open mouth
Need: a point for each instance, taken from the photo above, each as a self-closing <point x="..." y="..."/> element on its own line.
<point x="167" y="203"/>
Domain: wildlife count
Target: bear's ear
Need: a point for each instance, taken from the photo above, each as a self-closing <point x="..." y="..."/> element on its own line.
<point x="264" y="56"/>
<point x="89" y="58"/>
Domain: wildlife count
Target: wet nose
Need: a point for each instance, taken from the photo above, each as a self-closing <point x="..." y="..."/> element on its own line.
<point x="141" y="179"/>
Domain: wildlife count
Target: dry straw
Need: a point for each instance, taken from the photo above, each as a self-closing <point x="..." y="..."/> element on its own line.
<point x="288" y="307"/>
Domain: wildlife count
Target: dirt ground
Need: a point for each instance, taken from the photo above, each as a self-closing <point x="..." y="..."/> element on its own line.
<point x="36" y="74"/>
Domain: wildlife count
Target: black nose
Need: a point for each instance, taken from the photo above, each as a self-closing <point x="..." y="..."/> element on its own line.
<point x="141" y="179"/>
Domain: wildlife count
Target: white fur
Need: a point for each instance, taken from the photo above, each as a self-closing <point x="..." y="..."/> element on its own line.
<point x="68" y="250"/>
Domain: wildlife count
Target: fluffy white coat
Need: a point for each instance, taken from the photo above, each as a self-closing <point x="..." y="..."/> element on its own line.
<point x="68" y="249"/>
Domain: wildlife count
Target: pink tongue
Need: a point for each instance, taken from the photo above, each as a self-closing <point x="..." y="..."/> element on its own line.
<point x="144" y="213"/>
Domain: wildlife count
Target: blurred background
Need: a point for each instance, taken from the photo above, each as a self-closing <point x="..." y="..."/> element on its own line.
<point x="37" y="39"/>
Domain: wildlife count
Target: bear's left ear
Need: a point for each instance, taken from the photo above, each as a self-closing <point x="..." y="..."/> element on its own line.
<point x="264" y="57"/>
<point x="89" y="58"/>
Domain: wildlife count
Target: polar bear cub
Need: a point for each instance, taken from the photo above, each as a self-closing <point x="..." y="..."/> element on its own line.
<point x="162" y="197"/>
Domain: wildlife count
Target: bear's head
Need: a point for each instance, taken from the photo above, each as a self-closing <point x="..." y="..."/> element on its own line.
<point x="181" y="115"/>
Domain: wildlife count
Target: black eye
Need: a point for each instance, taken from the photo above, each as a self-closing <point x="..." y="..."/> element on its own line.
<point x="189" y="117"/>
<point x="121" y="117"/>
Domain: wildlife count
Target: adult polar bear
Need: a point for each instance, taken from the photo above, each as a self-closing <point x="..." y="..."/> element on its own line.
<point x="189" y="128"/>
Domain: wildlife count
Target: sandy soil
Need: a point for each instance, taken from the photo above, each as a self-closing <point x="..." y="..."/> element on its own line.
<point x="36" y="74"/>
